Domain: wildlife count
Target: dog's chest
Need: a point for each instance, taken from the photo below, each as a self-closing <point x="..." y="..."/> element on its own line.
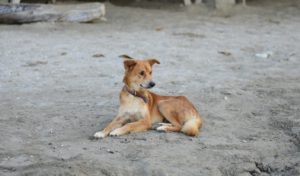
<point x="132" y="107"/>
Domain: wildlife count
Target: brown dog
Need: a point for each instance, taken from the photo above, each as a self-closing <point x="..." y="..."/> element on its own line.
<point x="140" y="108"/>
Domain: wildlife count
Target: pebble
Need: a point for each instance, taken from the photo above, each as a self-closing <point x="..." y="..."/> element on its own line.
<point x="264" y="55"/>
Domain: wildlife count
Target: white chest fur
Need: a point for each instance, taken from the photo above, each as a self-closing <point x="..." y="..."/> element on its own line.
<point x="132" y="107"/>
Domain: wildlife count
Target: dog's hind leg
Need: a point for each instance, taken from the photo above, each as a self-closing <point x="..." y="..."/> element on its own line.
<point x="181" y="114"/>
<point x="174" y="125"/>
<point x="168" y="128"/>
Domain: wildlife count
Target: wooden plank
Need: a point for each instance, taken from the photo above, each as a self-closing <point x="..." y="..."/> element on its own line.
<point x="224" y="4"/>
<point x="244" y="3"/>
<point x="187" y="2"/>
<point x="29" y="13"/>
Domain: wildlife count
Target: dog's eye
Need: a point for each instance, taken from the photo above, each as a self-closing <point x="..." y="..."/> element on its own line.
<point x="151" y="73"/>
<point x="142" y="73"/>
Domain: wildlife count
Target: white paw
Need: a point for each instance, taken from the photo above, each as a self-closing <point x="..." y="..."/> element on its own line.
<point x="116" y="132"/>
<point x="162" y="128"/>
<point x="165" y="124"/>
<point x="99" y="134"/>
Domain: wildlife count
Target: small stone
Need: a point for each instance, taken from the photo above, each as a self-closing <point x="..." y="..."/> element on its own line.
<point x="159" y="29"/>
<point x="110" y="151"/>
<point x="264" y="55"/>
<point x="98" y="55"/>
<point x="226" y="53"/>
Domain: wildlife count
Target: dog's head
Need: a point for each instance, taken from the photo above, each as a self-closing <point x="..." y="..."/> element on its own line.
<point x="138" y="73"/>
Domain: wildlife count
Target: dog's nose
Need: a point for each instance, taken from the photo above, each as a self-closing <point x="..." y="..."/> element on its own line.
<point x="152" y="84"/>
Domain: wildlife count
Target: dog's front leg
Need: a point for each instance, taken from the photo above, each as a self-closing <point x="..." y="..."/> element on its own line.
<point x="138" y="126"/>
<point x="116" y="123"/>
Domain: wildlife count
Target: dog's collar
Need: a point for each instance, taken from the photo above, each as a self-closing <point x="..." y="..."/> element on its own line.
<point x="136" y="94"/>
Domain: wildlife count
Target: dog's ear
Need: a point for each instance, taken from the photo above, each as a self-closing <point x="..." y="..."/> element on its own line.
<point x="129" y="64"/>
<point x="153" y="61"/>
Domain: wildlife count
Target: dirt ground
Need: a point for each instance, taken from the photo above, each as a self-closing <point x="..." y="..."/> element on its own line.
<point x="59" y="83"/>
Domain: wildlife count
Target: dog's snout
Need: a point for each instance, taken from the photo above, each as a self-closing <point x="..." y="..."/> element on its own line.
<point x="148" y="85"/>
<point x="151" y="84"/>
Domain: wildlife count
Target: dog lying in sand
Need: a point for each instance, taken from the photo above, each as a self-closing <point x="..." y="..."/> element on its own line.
<point x="140" y="109"/>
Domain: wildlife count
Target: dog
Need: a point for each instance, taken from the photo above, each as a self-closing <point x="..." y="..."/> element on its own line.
<point x="140" y="109"/>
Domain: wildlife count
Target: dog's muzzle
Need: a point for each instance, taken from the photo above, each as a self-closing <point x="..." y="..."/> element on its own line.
<point x="148" y="85"/>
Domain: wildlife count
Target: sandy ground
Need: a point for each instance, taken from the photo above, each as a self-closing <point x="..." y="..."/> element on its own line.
<point x="59" y="83"/>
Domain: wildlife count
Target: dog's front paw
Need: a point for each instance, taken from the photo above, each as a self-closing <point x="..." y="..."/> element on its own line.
<point x="100" y="134"/>
<point x="116" y="132"/>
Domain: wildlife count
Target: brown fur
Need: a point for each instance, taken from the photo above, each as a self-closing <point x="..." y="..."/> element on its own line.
<point x="140" y="108"/>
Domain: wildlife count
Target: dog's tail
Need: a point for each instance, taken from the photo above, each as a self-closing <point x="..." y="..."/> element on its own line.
<point x="191" y="127"/>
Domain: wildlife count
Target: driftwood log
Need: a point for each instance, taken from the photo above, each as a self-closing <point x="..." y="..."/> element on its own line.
<point x="29" y="13"/>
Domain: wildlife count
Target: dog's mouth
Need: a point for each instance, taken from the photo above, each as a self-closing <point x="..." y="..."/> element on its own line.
<point x="148" y="85"/>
